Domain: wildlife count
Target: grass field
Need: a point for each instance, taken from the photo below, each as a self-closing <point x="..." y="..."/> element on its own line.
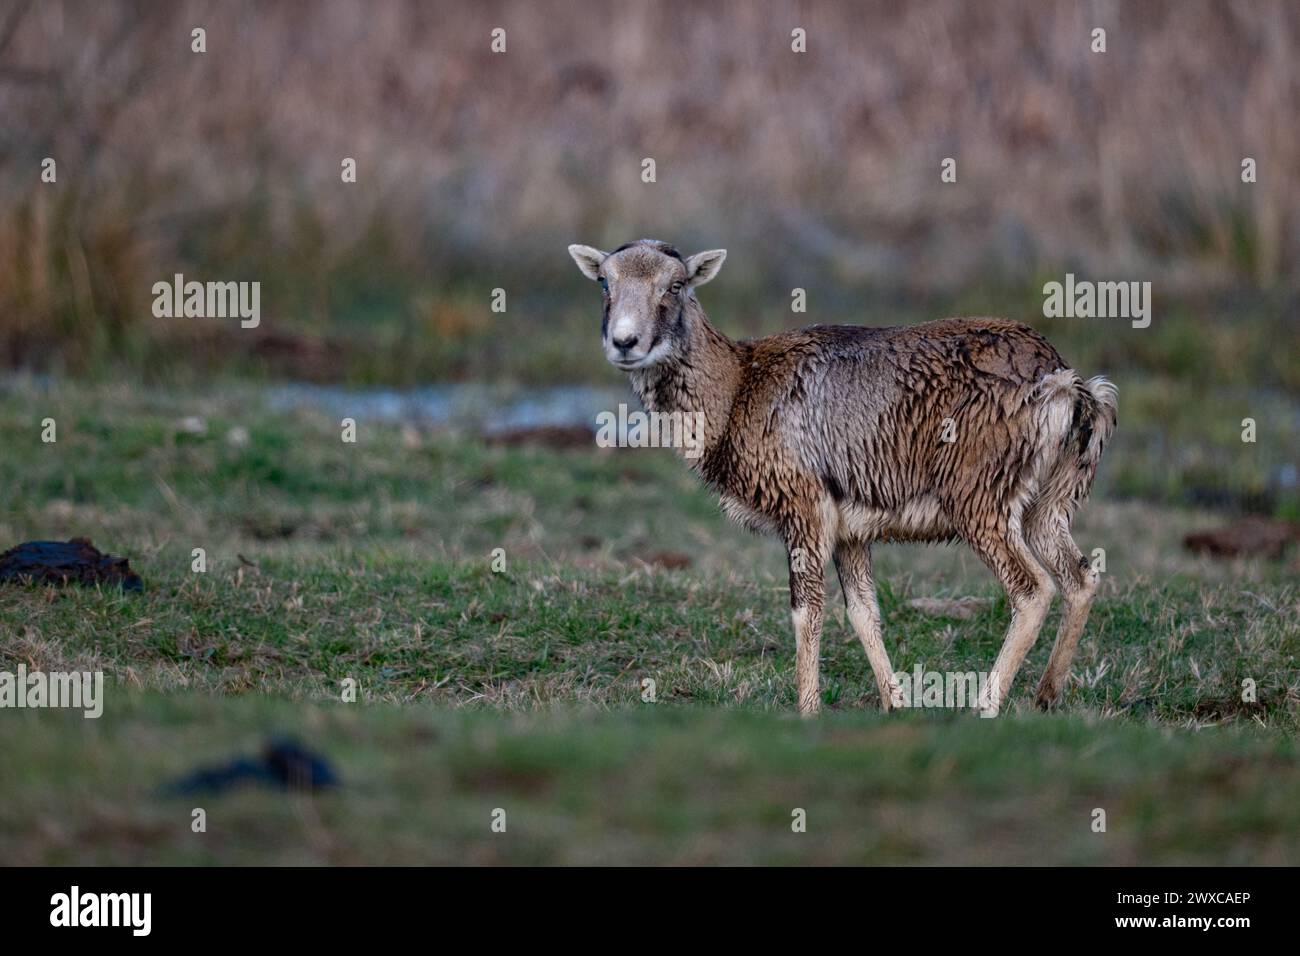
<point x="673" y="785"/>
<point x="576" y="636"/>
<point x="523" y="689"/>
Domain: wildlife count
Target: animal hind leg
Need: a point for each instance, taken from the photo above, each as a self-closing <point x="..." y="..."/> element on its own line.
<point x="1029" y="589"/>
<point x="853" y="564"/>
<point x="1078" y="583"/>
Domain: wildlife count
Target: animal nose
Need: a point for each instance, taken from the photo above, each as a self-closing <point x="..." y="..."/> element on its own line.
<point x="624" y="344"/>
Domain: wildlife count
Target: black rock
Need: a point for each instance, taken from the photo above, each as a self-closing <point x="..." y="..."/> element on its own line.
<point x="65" y="562"/>
<point x="296" y="767"/>
<point x="283" y="764"/>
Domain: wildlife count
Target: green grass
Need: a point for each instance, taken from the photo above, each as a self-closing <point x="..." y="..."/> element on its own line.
<point x="411" y="629"/>
<point x="523" y="688"/>
<point x="654" y="785"/>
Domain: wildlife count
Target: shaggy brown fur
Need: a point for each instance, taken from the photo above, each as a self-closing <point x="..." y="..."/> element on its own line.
<point x="834" y="437"/>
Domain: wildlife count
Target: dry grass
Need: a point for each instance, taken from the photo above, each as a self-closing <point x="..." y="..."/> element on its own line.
<point x="825" y="164"/>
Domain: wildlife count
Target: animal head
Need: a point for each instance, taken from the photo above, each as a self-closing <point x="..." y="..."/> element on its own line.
<point x="646" y="287"/>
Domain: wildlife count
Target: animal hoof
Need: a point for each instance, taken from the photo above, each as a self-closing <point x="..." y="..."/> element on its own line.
<point x="809" y="709"/>
<point x="989" y="707"/>
<point x="1046" y="697"/>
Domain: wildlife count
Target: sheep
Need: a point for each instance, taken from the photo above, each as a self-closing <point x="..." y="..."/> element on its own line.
<point x="836" y="437"/>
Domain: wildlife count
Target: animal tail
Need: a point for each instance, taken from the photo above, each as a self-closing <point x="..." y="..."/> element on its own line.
<point x="1077" y="419"/>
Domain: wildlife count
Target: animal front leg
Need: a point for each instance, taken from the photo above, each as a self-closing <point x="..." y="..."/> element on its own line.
<point x="807" y="600"/>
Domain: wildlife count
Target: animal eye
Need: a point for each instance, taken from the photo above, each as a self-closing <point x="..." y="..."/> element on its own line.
<point x="604" y="286"/>
<point x="676" y="287"/>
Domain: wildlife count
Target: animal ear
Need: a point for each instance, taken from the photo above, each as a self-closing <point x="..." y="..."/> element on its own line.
<point x="703" y="266"/>
<point x="588" y="259"/>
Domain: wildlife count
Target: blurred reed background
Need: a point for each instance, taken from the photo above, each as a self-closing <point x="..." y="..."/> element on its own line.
<point x="475" y="170"/>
